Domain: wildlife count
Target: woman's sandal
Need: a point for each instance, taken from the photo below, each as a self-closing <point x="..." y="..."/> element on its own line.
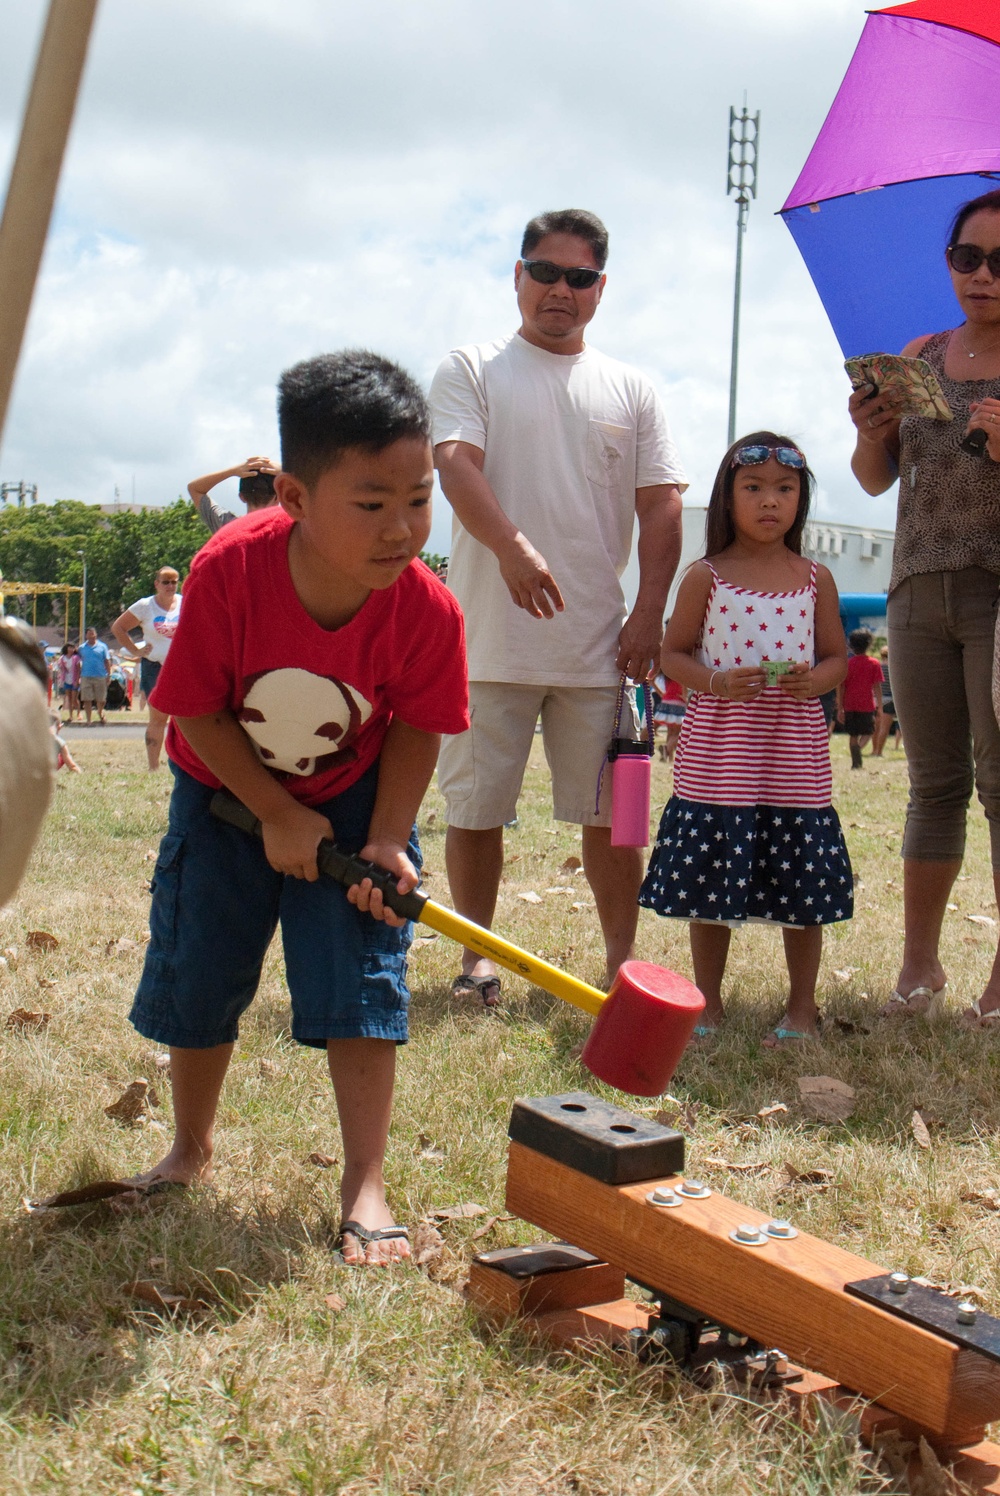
<point x="363" y="1235"/>
<point x="928" y="1005"/>
<point x="975" y="1018"/>
<point x="781" y="1036"/>
<point x="488" y="989"/>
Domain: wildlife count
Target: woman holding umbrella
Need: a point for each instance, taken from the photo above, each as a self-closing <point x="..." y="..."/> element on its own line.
<point x="943" y="596"/>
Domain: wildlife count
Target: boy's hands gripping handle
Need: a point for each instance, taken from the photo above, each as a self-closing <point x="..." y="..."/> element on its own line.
<point x="340" y="866"/>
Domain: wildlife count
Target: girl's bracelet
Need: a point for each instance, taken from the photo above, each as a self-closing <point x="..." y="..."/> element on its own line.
<point x="711" y="682"/>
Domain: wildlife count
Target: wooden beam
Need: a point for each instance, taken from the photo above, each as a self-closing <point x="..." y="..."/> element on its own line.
<point x="786" y="1293"/>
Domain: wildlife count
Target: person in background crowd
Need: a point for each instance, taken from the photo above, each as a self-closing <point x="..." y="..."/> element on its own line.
<point x="67" y="681"/>
<point x="883" y="725"/>
<point x="95" y="668"/>
<point x="859" y="697"/>
<point x="158" y="617"/>
<point x="256" y="477"/>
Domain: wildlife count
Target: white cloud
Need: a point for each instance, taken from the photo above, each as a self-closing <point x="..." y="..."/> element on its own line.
<point x="256" y="180"/>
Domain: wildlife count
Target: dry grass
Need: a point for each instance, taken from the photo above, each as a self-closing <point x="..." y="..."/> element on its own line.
<point x="269" y="1389"/>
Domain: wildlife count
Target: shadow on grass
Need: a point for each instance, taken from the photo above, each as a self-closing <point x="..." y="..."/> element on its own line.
<point x="74" y="1326"/>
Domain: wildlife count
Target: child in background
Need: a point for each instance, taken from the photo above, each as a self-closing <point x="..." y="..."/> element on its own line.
<point x="668" y="713"/>
<point x="859" y="697"/>
<point x="749" y="833"/>
<point x="315" y="664"/>
<point x="64" y="759"/>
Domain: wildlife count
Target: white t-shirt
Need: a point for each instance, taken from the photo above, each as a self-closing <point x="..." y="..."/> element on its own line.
<point x="159" y="625"/>
<point x="567" y="440"/>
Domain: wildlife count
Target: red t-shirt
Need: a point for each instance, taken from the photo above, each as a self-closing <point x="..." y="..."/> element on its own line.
<point x="863" y="686"/>
<point x="315" y="702"/>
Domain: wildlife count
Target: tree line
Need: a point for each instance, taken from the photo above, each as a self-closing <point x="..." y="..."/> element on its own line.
<point x="123" y="552"/>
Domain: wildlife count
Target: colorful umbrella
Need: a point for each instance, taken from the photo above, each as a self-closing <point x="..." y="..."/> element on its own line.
<point x="913" y="132"/>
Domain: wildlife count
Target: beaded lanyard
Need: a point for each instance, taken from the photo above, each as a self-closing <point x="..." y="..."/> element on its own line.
<point x="612" y="750"/>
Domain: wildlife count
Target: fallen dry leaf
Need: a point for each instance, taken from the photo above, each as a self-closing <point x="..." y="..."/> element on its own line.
<point x="45" y="982"/>
<point x="571" y="865"/>
<point x="23" y="1018"/>
<point x="132" y="1107"/>
<point x="845" y="973"/>
<point x="826" y="1099"/>
<point x="428" y="1148"/>
<point x="464" y="1212"/>
<point x="10" y="956"/>
<point x="988" y="1199"/>
<point x="582" y="904"/>
<point x="322" y="1160"/>
<point x="87" y="1194"/>
<point x="919" y="1129"/>
<point x="268" y="1070"/>
<point x="723" y="1163"/>
<point x="121" y="947"/>
<point x="334" y="1302"/>
<point x="487" y="1226"/>
<point x="165" y="1299"/>
<point x="530" y="897"/>
<point x="819" y="1179"/>
<point x="776" y="1109"/>
<point x="981" y="919"/>
<point x="41" y="940"/>
<point x="684" y="1114"/>
<point x="559" y="889"/>
<point x="428" y="1244"/>
<point x="421" y="941"/>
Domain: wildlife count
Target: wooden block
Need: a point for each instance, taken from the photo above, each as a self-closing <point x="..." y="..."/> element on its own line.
<point x="786" y="1293"/>
<point x="598" y="1324"/>
<point x="501" y="1296"/>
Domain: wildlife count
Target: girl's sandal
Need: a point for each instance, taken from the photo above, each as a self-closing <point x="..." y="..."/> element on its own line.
<point x="780" y="1036"/>
<point x="975" y="1018"/>
<point x="928" y="1004"/>
<point x="705" y="1031"/>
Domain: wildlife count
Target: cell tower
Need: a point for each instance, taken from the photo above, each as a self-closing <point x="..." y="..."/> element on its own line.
<point x="20" y="491"/>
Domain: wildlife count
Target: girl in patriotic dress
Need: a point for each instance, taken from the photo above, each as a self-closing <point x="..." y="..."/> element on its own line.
<point x="749" y="832"/>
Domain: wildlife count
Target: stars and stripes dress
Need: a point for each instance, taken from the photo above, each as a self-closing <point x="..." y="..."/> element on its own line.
<point x="749" y="832"/>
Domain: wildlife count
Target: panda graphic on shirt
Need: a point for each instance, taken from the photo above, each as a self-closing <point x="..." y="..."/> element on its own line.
<point x="301" y="723"/>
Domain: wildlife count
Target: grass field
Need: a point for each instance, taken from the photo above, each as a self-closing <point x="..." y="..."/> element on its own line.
<point x="295" y="1374"/>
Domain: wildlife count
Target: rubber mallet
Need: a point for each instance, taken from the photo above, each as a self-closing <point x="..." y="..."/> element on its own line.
<point x="642" y="1025"/>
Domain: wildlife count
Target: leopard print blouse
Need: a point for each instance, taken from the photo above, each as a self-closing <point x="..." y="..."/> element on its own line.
<point x="949" y="502"/>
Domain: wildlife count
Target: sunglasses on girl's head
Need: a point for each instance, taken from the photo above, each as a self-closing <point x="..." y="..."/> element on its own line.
<point x="577" y="277"/>
<point x="965" y="258"/>
<point x="755" y="454"/>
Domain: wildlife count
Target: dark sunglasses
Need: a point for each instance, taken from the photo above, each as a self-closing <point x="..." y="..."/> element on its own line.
<point x="965" y="258"/>
<point x="577" y="277"/>
<point x="753" y="455"/>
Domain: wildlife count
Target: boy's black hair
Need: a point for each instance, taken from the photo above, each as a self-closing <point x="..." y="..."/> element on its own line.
<point x="860" y="640"/>
<point x="568" y="221"/>
<point x="257" y="489"/>
<point x="719" y="528"/>
<point x="339" y="400"/>
<point x="988" y="203"/>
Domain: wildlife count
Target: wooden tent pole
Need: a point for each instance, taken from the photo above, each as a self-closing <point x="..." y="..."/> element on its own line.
<point x="35" y="174"/>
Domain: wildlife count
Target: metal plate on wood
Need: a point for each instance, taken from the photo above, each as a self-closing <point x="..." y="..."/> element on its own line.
<point x="598" y="1139"/>
<point x="932" y="1310"/>
<point x="543" y="1257"/>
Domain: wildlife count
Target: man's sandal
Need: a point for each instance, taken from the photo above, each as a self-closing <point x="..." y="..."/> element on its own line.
<point x="363" y="1235"/>
<point x="487" y="989"/>
<point x="928" y="1004"/>
<point x="975" y="1018"/>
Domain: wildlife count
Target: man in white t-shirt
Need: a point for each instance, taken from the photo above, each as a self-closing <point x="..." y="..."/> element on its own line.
<point x="158" y="617"/>
<point x="548" y="452"/>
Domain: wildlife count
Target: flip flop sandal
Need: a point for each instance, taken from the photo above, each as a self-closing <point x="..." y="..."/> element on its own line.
<point x="782" y="1036"/>
<point x="488" y="989"/>
<point x="366" y="1237"/>
<point x="930" y="1000"/>
<point x="980" y="1019"/>
<point x="704" y="1031"/>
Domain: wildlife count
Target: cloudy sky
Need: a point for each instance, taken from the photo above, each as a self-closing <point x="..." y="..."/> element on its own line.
<point x="253" y="181"/>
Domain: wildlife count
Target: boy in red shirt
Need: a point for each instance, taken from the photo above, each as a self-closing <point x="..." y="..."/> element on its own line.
<point x="316" y="664"/>
<point x="859" y="696"/>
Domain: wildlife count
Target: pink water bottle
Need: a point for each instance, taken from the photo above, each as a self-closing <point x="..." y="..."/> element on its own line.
<point x="630" y="780"/>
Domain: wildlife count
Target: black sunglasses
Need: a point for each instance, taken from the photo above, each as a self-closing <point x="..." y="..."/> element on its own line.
<point x="577" y="277"/>
<point x="965" y="258"/>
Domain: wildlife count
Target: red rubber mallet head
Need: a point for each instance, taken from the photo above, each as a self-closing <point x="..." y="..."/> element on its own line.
<point x="643" y="1028"/>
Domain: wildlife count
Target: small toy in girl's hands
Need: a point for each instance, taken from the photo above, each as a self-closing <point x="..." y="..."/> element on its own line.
<point x="773" y="668"/>
<point x="912" y="379"/>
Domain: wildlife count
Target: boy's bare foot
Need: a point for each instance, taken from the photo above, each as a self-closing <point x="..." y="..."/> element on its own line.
<point x="177" y="1168"/>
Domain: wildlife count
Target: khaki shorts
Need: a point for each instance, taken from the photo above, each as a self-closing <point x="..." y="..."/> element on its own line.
<point x="94" y="688"/>
<point x="480" y="771"/>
